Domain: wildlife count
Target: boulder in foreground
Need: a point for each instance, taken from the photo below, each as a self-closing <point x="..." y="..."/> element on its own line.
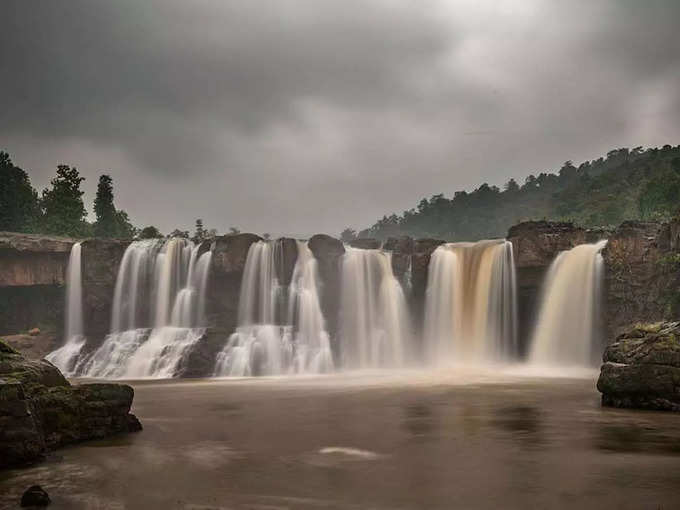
<point x="642" y="368"/>
<point x="40" y="410"/>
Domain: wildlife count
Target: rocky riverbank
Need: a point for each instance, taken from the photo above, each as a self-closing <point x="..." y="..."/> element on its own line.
<point x="40" y="410"/>
<point x="642" y="368"/>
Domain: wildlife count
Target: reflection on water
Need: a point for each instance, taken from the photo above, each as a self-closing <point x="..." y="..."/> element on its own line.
<point x="419" y="420"/>
<point x="637" y="438"/>
<point x="379" y="442"/>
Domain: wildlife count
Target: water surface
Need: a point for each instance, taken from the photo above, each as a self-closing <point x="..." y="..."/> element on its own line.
<point x="456" y="439"/>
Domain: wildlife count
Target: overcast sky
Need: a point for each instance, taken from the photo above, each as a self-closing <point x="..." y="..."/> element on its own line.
<point x="296" y="117"/>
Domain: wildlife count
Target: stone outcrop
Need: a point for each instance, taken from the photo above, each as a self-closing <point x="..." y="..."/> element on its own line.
<point x="100" y="260"/>
<point x="642" y="368"/>
<point x="29" y="259"/>
<point x="535" y="245"/>
<point x="642" y="278"/>
<point x="32" y="275"/>
<point x="201" y="358"/>
<point x="328" y="252"/>
<point x="366" y="243"/>
<point x="228" y="261"/>
<point x="402" y="250"/>
<point x="40" y="410"/>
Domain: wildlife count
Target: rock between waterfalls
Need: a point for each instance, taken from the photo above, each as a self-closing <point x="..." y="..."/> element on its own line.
<point x="642" y="368"/>
<point x="40" y="410"/>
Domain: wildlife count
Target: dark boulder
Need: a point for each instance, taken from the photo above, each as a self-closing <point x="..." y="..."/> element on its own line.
<point x="35" y="496"/>
<point x="202" y="356"/>
<point x="402" y="251"/>
<point x="229" y="254"/>
<point x="328" y="252"/>
<point x="100" y="260"/>
<point x="40" y="410"/>
<point x="642" y="368"/>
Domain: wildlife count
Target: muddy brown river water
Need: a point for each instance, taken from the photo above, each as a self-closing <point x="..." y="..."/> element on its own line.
<point x="416" y="440"/>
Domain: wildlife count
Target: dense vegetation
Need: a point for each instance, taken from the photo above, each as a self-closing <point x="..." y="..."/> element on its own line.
<point x="60" y="209"/>
<point x="626" y="184"/>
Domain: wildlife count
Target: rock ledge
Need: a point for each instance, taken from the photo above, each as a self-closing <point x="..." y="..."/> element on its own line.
<point x="642" y="368"/>
<point x="40" y="410"/>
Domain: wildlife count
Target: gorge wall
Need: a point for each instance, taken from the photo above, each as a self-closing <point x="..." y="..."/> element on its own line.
<point x="642" y="277"/>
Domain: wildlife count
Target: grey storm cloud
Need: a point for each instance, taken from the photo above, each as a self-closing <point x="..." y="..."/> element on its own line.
<point x="303" y="116"/>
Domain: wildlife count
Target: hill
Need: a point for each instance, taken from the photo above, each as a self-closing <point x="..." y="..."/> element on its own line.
<point x="626" y="184"/>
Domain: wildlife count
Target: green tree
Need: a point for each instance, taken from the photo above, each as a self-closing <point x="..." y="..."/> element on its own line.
<point x="111" y="223"/>
<point x="149" y="232"/>
<point x="19" y="209"/>
<point x="347" y="235"/>
<point x="124" y="228"/>
<point x="199" y="234"/>
<point x="106" y="224"/>
<point x="62" y="204"/>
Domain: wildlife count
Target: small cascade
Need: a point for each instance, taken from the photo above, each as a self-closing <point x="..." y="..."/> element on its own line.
<point x="470" y="303"/>
<point x="568" y="331"/>
<point x="280" y="330"/>
<point x="374" y="324"/>
<point x="66" y="357"/>
<point x="158" y="311"/>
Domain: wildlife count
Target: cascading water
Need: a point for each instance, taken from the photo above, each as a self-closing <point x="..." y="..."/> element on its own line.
<point x="567" y="331"/>
<point x="470" y="303"/>
<point x="66" y="356"/>
<point x="270" y="339"/>
<point x="374" y="324"/>
<point x="158" y="308"/>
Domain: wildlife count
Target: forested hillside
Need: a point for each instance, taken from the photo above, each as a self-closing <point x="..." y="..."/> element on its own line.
<point x="626" y="184"/>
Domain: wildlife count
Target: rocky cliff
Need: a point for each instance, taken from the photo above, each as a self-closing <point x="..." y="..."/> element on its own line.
<point x="535" y="245"/>
<point x="32" y="274"/>
<point x="642" y="279"/>
<point x="642" y="275"/>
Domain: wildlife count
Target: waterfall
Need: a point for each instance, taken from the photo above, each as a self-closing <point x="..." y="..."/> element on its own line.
<point x="158" y="311"/>
<point x="470" y="303"/>
<point x="374" y="324"/>
<point x="66" y="356"/>
<point x="268" y="340"/>
<point x="567" y="332"/>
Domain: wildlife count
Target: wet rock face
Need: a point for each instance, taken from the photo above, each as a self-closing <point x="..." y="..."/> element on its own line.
<point x="535" y="245"/>
<point x="228" y="261"/>
<point x="32" y="275"/>
<point x="366" y="244"/>
<point x="40" y="410"/>
<point x="642" y="368"/>
<point x="328" y="252"/>
<point x="642" y="278"/>
<point x="100" y="260"/>
<point x="402" y="250"/>
<point x="420" y="264"/>
<point x="200" y="360"/>
<point x="28" y="259"/>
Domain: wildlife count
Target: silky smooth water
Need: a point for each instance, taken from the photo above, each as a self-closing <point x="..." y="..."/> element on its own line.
<point x="384" y="441"/>
<point x="66" y="357"/>
<point x="568" y="328"/>
<point x="281" y="328"/>
<point x="158" y="311"/>
<point x="375" y="329"/>
<point x="470" y="303"/>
